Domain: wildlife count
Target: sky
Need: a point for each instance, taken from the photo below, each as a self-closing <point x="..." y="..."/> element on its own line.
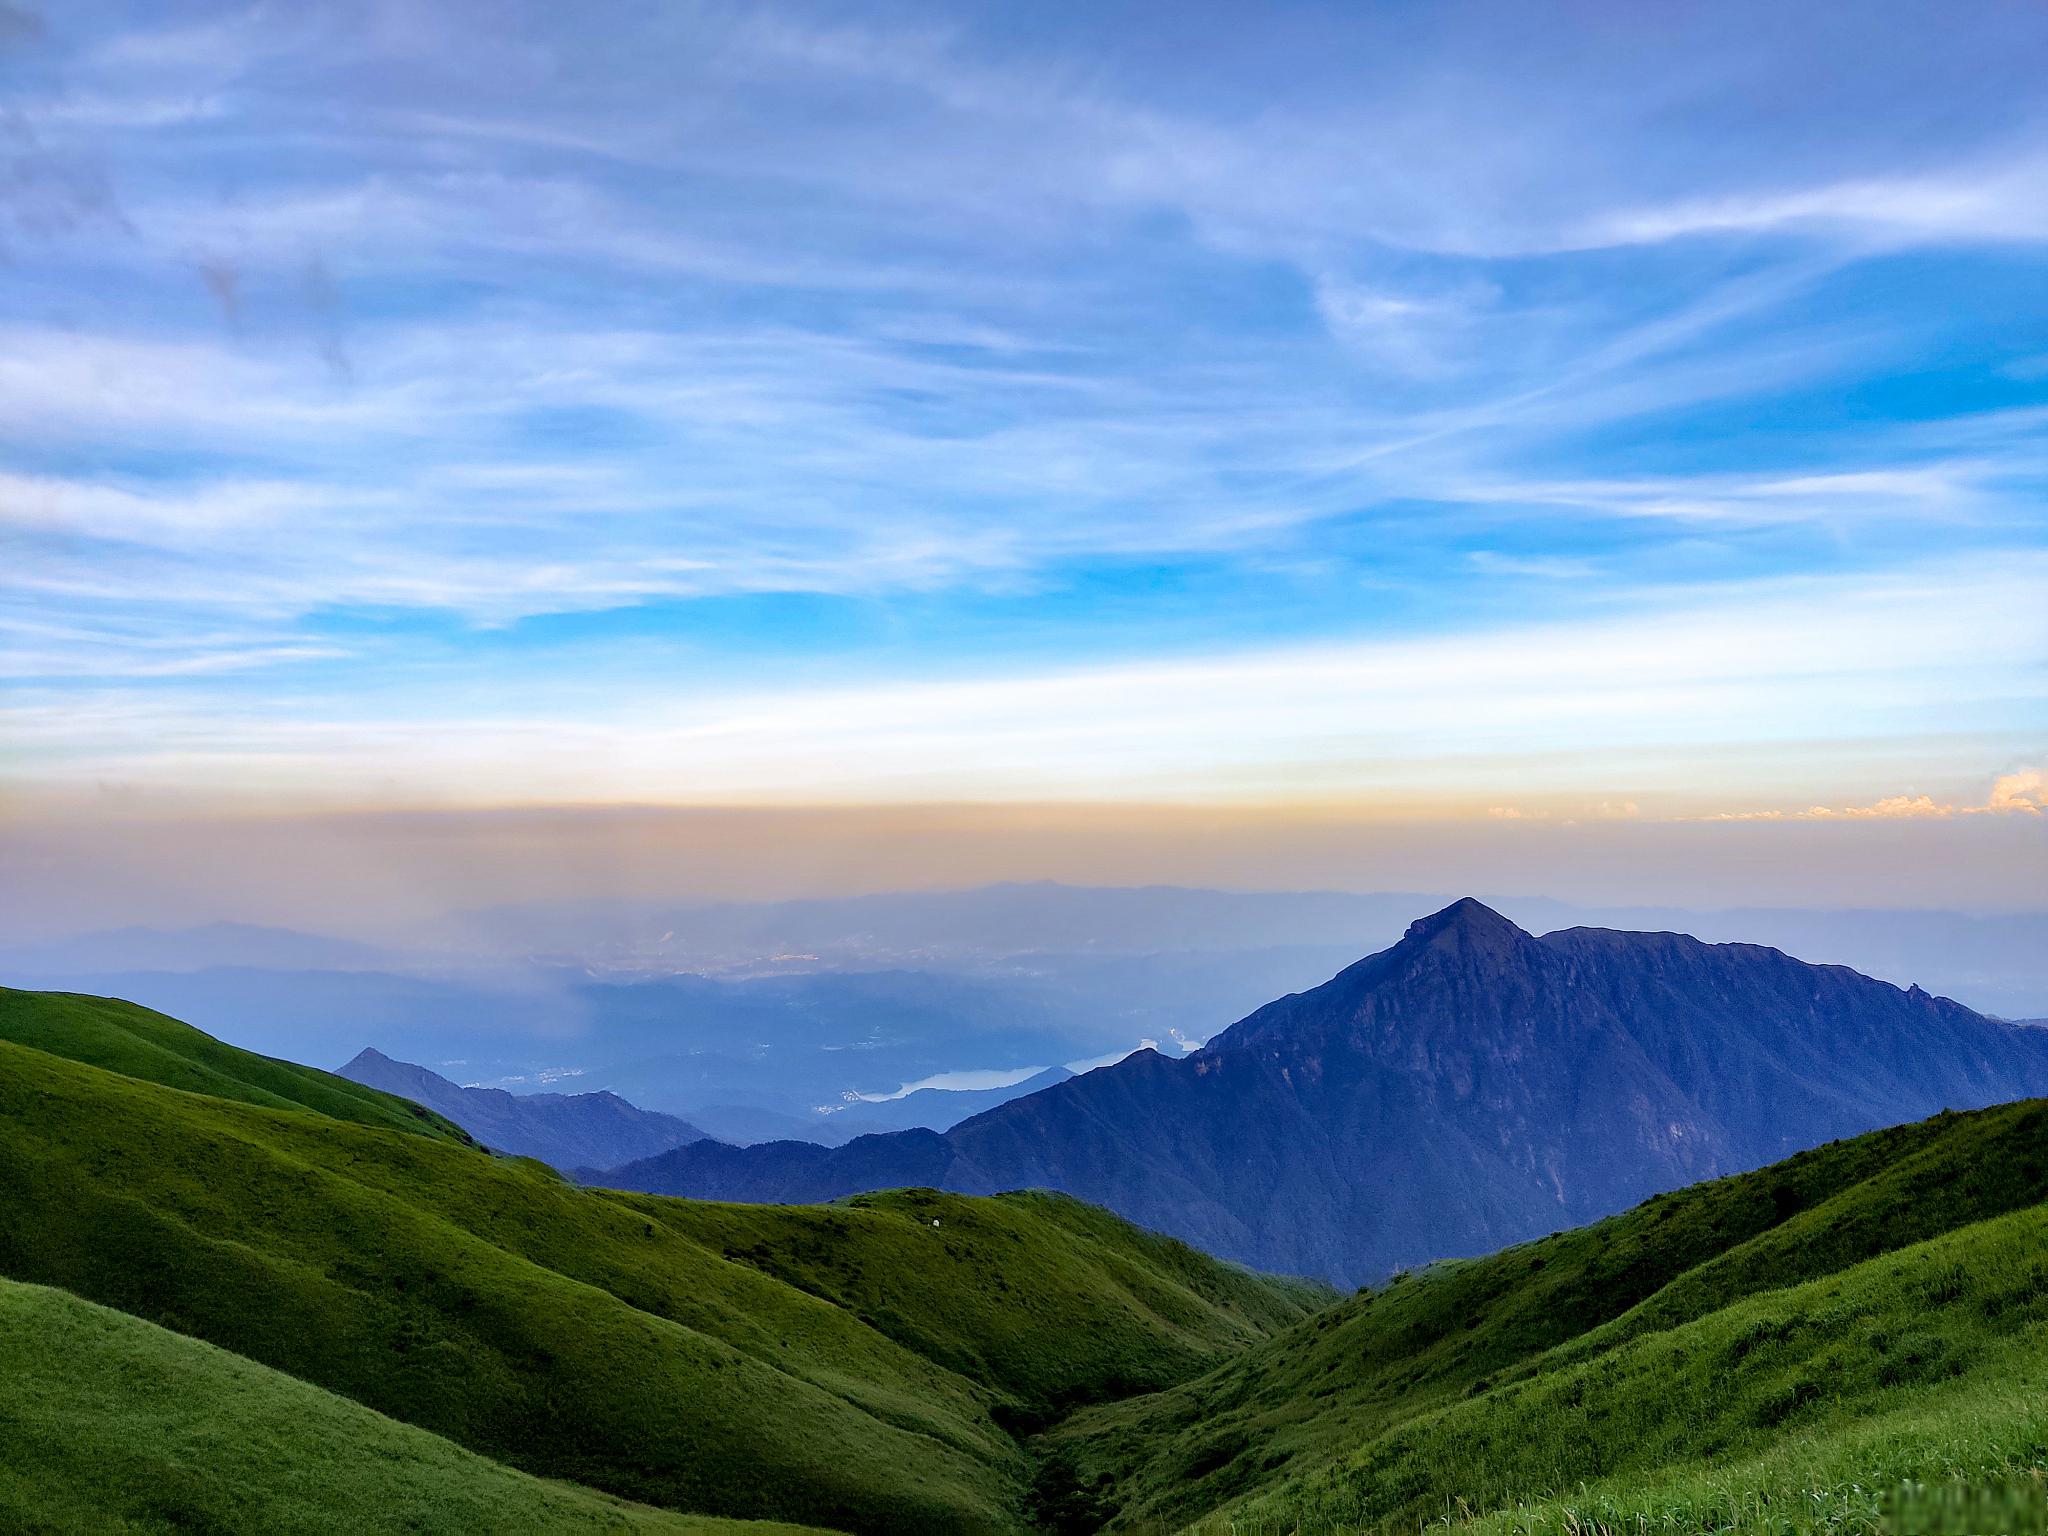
<point x="1594" y="449"/>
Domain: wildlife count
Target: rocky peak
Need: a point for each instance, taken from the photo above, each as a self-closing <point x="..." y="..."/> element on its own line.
<point x="1467" y="926"/>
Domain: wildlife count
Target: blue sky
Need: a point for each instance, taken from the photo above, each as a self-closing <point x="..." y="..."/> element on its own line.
<point x="1482" y="411"/>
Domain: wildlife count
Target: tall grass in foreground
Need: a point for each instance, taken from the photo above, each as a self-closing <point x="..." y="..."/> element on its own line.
<point x="111" y="1424"/>
<point x="1973" y="1460"/>
<point x="1908" y="1393"/>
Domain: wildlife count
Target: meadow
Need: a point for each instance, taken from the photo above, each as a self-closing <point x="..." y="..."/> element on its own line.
<point x="241" y="1295"/>
<point x="111" y="1424"/>
<point x="680" y="1354"/>
<point x="1762" y="1322"/>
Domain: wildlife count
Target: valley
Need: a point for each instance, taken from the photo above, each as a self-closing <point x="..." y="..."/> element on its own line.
<point x="1470" y="1086"/>
<point x="201" y="1246"/>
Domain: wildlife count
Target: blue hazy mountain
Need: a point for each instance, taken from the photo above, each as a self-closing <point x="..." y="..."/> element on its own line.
<point x="757" y="1021"/>
<point x="1468" y="1087"/>
<point x="569" y="1130"/>
<point x="205" y="947"/>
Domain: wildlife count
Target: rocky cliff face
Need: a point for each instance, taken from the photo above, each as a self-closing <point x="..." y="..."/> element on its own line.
<point x="1471" y="1086"/>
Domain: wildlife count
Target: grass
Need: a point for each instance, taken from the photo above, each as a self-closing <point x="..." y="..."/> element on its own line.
<point x="1050" y="1301"/>
<point x="1775" y="1378"/>
<point x="1854" y="1340"/>
<point x="1965" y="1458"/>
<point x="806" y="1365"/>
<point x="140" y="1042"/>
<point x="111" y="1424"/>
<point x="1383" y="1412"/>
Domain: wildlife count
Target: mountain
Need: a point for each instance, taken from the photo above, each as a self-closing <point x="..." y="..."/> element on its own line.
<point x="223" y="1307"/>
<point x="921" y="927"/>
<point x="742" y="1125"/>
<point x="867" y="1368"/>
<point x="782" y="1043"/>
<point x="1470" y="1086"/>
<point x="569" y="1130"/>
<point x="1993" y="961"/>
<point x="1855" y="1339"/>
<point x="192" y="949"/>
<point x="939" y="1109"/>
<point x="932" y="1109"/>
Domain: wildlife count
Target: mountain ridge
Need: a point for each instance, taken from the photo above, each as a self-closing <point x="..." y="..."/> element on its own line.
<point x="1469" y="1086"/>
<point x="564" y="1130"/>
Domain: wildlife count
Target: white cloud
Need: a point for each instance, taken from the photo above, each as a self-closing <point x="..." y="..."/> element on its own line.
<point x="750" y="301"/>
<point x="1544" y="567"/>
<point x="1111" y="1058"/>
<point x="2003" y="202"/>
<point x="1617" y="708"/>
<point x="2025" y="791"/>
<point x="972" y="1080"/>
<point x="2012" y="794"/>
<point x="1427" y="334"/>
<point x="1946" y="488"/>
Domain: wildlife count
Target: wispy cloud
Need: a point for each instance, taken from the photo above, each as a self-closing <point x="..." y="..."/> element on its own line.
<point x="1211" y="402"/>
<point x="1544" y="567"/>
<point x="2001" y="202"/>
<point x="1616" y="710"/>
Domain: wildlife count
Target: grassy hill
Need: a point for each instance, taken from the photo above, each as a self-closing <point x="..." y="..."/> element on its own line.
<point x="805" y="1365"/>
<point x="1740" y="1351"/>
<point x="140" y="1042"/>
<point x="1046" y="1300"/>
<point x="111" y="1424"/>
<point x="1853" y="1340"/>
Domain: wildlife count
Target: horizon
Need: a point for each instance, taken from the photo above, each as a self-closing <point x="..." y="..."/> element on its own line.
<point x="1496" y="902"/>
<point x="1004" y="939"/>
<point x="1583" y="456"/>
<point x="1004" y="769"/>
<point x="368" y="874"/>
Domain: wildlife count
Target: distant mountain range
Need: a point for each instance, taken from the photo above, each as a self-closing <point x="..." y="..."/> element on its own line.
<point x="568" y="1130"/>
<point x="772" y="1049"/>
<point x="940" y="1109"/>
<point x="204" y="947"/>
<point x="1470" y="1086"/>
<point x="1995" y="961"/>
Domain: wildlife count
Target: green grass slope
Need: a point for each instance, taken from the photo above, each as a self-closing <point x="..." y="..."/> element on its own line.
<point x="1962" y="1459"/>
<point x="1761" y="1318"/>
<point x="1048" y="1301"/>
<point x="112" y="1424"/>
<point x="645" y="1347"/>
<point x="140" y="1042"/>
<point x="1853" y="1340"/>
<point x="1766" y="1376"/>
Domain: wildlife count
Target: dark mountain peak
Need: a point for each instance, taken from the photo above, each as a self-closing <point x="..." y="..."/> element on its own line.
<point x="373" y="1068"/>
<point x="1467" y="920"/>
<point x="1465" y="930"/>
<point x="1461" y="966"/>
<point x="1470" y="1086"/>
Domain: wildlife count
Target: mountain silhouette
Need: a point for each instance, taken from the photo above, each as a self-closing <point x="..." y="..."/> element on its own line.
<point x="569" y="1130"/>
<point x="1471" y="1086"/>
